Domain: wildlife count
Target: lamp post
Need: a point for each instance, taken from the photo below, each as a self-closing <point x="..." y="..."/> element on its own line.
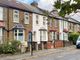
<point x="30" y="41"/>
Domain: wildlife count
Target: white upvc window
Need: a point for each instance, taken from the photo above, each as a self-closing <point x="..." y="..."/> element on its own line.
<point x="40" y="35"/>
<point x="26" y="17"/>
<point x="37" y="19"/>
<point x="1" y="13"/>
<point x="44" y="20"/>
<point x="65" y="36"/>
<point x="53" y="35"/>
<point x="34" y="36"/>
<point x="50" y="23"/>
<point x="19" y="34"/>
<point x="43" y="35"/>
<point x="65" y="24"/>
<point x="1" y="35"/>
<point x="16" y="16"/>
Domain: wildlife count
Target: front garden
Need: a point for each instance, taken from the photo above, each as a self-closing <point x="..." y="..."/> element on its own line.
<point x="11" y="47"/>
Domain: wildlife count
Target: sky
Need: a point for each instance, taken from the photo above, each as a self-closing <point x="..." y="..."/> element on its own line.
<point x="48" y="5"/>
<point x="44" y="4"/>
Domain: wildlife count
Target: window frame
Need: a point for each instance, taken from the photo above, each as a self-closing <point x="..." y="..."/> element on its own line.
<point x="26" y="14"/>
<point x="37" y="19"/>
<point x="16" y="13"/>
<point x="44" y="20"/>
<point x="1" y="13"/>
<point x="65" y="36"/>
<point x="1" y="35"/>
<point x="18" y="32"/>
<point x="53" y="36"/>
<point x="43" y="36"/>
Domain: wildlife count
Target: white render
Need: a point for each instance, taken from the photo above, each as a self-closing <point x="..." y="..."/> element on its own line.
<point x="63" y="25"/>
<point x="36" y="27"/>
<point x="1" y="35"/>
<point x="60" y="30"/>
<point x="1" y="13"/>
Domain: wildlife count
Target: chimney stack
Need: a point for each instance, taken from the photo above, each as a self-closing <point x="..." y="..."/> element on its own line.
<point x="34" y="3"/>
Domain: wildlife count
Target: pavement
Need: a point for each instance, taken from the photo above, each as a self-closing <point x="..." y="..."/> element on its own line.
<point x="36" y="54"/>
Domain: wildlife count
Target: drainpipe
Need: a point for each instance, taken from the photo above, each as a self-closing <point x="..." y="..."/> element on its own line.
<point x="7" y="24"/>
<point x="54" y="39"/>
<point x="63" y="35"/>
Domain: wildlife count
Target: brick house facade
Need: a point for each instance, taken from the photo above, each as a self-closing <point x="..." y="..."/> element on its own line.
<point x="17" y="21"/>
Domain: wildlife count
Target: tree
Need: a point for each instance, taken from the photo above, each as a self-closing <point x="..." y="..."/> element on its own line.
<point x="73" y="37"/>
<point x="67" y="7"/>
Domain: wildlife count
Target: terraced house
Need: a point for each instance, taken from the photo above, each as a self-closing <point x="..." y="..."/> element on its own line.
<point x="18" y="19"/>
<point x="15" y="21"/>
<point x="74" y="25"/>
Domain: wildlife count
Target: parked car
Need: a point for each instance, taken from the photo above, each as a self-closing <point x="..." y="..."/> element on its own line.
<point x="78" y="42"/>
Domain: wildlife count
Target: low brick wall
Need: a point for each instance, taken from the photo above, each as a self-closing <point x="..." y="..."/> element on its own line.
<point x="50" y="45"/>
<point x="67" y="43"/>
<point x="58" y="43"/>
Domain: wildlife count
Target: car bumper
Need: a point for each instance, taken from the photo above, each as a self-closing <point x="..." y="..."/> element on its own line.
<point x="78" y="46"/>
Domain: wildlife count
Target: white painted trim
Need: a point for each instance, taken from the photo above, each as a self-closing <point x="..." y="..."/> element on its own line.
<point x="26" y="21"/>
<point x="17" y="19"/>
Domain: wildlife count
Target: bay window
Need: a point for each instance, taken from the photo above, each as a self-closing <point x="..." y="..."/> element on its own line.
<point x="43" y="35"/>
<point x="53" y="36"/>
<point x="19" y="34"/>
<point x="65" y="36"/>
<point x="1" y="35"/>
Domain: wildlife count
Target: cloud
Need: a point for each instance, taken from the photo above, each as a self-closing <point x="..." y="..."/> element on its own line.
<point x="46" y="4"/>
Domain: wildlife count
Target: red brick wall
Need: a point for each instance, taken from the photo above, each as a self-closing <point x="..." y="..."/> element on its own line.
<point x="50" y="45"/>
<point x="58" y="43"/>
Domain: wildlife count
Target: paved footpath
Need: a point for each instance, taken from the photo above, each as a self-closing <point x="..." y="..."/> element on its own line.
<point x="27" y="56"/>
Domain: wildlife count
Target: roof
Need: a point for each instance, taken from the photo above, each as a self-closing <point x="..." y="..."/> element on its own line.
<point x="20" y="5"/>
<point x="33" y="9"/>
<point x="18" y="26"/>
<point x="12" y="4"/>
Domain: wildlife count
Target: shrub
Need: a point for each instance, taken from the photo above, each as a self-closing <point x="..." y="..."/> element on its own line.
<point x="10" y="47"/>
<point x="15" y="45"/>
<point x="1" y="48"/>
<point x="73" y="37"/>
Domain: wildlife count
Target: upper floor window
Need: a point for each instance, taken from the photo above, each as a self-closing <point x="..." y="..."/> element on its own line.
<point x="44" y="20"/>
<point x="65" y="24"/>
<point x="50" y="22"/>
<point x="26" y="17"/>
<point x="1" y="13"/>
<point x="16" y="16"/>
<point x="37" y="17"/>
<point x="55" y="23"/>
